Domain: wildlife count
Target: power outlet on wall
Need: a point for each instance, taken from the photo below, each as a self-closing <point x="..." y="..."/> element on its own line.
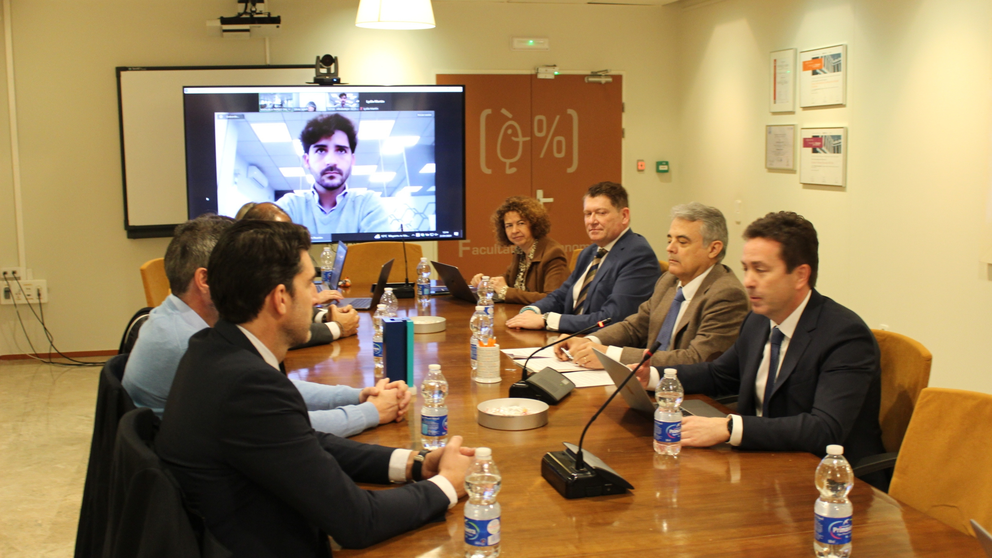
<point x="34" y="291"/>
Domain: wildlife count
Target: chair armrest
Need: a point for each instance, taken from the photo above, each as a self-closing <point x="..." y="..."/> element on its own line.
<point x="875" y="463"/>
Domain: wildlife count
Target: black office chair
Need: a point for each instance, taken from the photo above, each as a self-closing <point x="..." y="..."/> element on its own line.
<point x="146" y="514"/>
<point x="111" y="404"/>
<point x="130" y="336"/>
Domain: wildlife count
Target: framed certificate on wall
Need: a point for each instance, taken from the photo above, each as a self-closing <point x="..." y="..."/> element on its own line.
<point x="823" y="77"/>
<point x="823" y="156"/>
<point x="783" y="80"/>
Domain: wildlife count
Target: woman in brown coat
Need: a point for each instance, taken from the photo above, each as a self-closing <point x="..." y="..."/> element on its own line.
<point x="539" y="265"/>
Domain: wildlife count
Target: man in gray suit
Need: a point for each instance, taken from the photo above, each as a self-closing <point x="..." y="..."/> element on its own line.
<point x="696" y="309"/>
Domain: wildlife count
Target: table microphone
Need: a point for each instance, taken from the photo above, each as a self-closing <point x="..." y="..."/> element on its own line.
<point x="548" y="385"/>
<point x="407" y="289"/>
<point x="577" y="474"/>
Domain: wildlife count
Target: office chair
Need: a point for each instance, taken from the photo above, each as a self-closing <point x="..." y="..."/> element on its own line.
<point x="155" y="282"/>
<point x="365" y="260"/>
<point x="944" y="467"/>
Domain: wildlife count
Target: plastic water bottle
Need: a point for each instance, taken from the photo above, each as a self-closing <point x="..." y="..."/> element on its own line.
<point x="434" y="414"/>
<point x="668" y="415"/>
<point x="423" y="284"/>
<point x="832" y="512"/>
<point x="473" y="342"/>
<point x="326" y="266"/>
<point x="392" y="304"/>
<point x="485" y="293"/>
<point x="377" y="348"/>
<point x="482" y="511"/>
<point x="487" y="353"/>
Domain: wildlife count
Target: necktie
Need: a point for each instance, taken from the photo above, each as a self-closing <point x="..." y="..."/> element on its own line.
<point x="668" y="326"/>
<point x="590" y="275"/>
<point x="777" y="337"/>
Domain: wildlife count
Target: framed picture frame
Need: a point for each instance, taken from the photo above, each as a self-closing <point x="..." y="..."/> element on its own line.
<point x="780" y="147"/>
<point x="782" y="69"/>
<point x="823" y="156"/>
<point x="823" y="77"/>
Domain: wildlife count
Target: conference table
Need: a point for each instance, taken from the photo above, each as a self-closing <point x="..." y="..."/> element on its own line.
<point x="706" y="502"/>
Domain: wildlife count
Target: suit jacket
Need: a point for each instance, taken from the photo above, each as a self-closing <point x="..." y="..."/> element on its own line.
<point x="827" y="391"/>
<point x="547" y="270"/>
<point x="708" y="327"/>
<point x="623" y="282"/>
<point x="237" y="437"/>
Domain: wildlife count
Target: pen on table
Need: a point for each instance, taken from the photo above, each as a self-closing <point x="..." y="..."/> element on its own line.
<point x="568" y="354"/>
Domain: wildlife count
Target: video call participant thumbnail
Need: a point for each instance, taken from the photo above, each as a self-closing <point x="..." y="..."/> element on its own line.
<point x="329" y="143"/>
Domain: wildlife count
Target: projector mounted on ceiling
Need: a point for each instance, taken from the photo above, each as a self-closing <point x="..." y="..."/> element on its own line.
<point x="252" y="21"/>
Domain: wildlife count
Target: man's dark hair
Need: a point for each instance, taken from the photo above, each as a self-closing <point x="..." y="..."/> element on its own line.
<point x="190" y="249"/>
<point x="530" y="210"/>
<point x="250" y="259"/>
<point x="796" y="236"/>
<point x="612" y="190"/>
<point x="266" y="211"/>
<point x="325" y="126"/>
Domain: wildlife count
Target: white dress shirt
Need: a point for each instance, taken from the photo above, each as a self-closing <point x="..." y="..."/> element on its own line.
<point x="788" y="328"/>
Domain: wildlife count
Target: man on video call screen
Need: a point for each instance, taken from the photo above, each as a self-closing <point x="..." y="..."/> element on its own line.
<point x="329" y="143"/>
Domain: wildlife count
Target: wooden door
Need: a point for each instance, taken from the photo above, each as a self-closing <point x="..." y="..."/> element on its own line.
<point x="526" y="136"/>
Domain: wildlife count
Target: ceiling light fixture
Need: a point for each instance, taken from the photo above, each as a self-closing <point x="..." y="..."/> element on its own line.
<point x="395" y="14"/>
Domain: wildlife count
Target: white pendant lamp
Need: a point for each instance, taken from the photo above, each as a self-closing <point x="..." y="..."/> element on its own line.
<point x="395" y="14"/>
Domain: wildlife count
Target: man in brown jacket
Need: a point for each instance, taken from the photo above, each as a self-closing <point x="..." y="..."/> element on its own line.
<point x="696" y="309"/>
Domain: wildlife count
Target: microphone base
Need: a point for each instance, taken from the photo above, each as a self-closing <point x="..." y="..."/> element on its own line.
<point x="548" y="385"/>
<point x="594" y="478"/>
<point x="404" y="290"/>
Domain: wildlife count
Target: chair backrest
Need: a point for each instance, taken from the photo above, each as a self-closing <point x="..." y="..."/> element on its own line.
<point x="365" y="260"/>
<point x="664" y="265"/>
<point x="573" y="258"/>
<point x="944" y="467"/>
<point x="130" y="336"/>
<point x="905" y="372"/>
<point x="112" y="402"/>
<point x="146" y="515"/>
<point x="155" y="282"/>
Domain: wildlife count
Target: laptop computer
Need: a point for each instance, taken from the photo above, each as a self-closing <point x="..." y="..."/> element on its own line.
<point x="638" y="399"/>
<point x="983" y="537"/>
<point x="455" y="283"/>
<point x="367" y="302"/>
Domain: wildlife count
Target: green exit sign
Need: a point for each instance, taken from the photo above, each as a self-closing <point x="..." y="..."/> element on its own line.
<point x="661" y="166"/>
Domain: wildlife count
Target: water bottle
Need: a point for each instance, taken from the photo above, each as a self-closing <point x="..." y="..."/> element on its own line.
<point x="423" y="284"/>
<point x="434" y="414"/>
<point x="392" y="304"/>
<point x="485" y="293"/>
<point x="326" y="267"/>
<point x="832" y="512"/>
<point x="487" y="353"/>
<point x="473" y="342"/>
<point x="668" y="415"/>
<point x="377" y="348"/>
<point x="482" y="482"/>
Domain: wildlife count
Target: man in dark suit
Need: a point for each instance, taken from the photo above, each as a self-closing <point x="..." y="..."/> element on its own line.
<point x="806" y="368"/>
<point x="236" y="432"/>
<point x="612" y="276"/>
<point x="696" y="309"/>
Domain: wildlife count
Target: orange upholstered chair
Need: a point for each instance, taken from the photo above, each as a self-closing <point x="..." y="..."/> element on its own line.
<point x="365" y="260"/>
<point x="905" y="372"/>
<point x="945" y="463"/>
<point x="155" y="282"/>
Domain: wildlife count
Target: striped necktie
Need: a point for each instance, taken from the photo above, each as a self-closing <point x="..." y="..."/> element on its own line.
<point x="590" y="275"/>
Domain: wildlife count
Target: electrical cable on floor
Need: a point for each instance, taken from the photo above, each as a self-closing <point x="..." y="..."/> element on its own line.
<point x="48" y="334"/>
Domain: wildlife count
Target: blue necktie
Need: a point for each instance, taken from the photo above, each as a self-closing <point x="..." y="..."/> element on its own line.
<point x="668" y="326"/>
<point x="777" y="337"/>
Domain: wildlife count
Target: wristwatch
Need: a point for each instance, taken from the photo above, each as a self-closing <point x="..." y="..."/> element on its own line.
<point x="545" y="316"/>
<point x="416" y="472"/>
<point x="730" y="427"/>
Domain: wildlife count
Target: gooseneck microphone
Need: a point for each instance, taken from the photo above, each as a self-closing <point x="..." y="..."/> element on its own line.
<point x="406" y="290"/>
<point x="647" y="356"/>
<point x="577" y="474"/>
<point x="599" y="324"/>
<point x="548" y="385"/>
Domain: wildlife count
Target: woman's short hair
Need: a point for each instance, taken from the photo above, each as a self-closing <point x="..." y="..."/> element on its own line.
<point x="530" y="209"/>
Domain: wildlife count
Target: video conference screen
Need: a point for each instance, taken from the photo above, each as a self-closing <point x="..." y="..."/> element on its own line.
<point x="349" y="163"/>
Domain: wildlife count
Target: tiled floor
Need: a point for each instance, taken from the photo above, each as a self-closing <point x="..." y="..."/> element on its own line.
<point x="46" y="422"/>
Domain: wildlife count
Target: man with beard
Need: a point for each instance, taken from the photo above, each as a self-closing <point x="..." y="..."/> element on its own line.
<point x="329" y="143"/>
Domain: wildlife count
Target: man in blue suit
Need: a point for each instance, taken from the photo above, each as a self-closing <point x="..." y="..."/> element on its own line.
<point x="612" y="276"/>
<point x="806" y="368"/>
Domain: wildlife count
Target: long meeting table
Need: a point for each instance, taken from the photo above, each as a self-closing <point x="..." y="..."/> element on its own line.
<point x="707" y="502"/>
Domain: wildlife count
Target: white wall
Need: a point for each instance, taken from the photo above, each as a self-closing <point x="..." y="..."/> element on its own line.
<point x="901" y="244"/>
<point x="67" y="112"/>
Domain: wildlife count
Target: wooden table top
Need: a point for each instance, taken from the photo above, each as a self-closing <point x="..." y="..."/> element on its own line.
<point x="707" y="502"/>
